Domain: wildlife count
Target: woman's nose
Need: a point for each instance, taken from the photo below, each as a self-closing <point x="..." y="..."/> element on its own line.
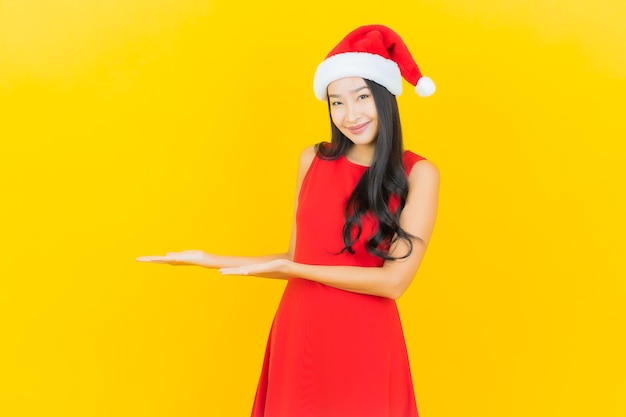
<point x="352" y="112"/>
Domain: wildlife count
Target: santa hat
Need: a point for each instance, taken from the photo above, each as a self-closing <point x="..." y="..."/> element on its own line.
<point x="376" y="53"/>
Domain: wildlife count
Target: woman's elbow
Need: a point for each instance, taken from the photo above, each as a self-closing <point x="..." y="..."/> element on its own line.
<point x="396" y="278"/>
<point x="396" y="293"/>
<point x="397" y="289"/>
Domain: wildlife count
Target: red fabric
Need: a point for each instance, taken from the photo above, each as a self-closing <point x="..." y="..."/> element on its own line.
<point x="334" y="353"/>
<point x="380" y="40"/>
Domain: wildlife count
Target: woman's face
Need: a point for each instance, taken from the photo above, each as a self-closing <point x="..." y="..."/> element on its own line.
<point x="353" y="111"/>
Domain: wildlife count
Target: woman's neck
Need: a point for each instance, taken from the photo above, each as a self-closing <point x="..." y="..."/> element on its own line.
<point x="361" y="154"/>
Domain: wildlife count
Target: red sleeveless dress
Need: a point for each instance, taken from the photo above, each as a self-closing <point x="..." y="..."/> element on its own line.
<point x="334" y="353"/>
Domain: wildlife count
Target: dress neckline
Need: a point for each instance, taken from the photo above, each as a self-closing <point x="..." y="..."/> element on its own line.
<point x="345" y="158"/>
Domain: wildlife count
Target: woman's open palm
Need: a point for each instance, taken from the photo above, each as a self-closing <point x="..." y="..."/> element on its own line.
<point x="186" y="257"/>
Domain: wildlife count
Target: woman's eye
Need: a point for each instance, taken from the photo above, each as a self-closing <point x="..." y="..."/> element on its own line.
<point x="335" y="103"/>
<point x="363" y="96"/>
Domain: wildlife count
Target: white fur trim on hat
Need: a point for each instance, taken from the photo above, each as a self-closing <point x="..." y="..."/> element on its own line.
<point x="357" y="64"/>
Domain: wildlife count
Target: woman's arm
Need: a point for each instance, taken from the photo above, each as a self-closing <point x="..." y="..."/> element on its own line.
<point x="207" y="260"/>
<point x="394" y="277"/>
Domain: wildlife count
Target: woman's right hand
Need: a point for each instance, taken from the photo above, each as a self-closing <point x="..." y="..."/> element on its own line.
<point x="186" y="257"/>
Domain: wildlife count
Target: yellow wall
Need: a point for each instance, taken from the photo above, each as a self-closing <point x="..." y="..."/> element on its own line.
<point x="135" y="127"/>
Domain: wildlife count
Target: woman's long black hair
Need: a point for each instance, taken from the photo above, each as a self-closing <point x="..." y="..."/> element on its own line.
<point x="385" y="178"/>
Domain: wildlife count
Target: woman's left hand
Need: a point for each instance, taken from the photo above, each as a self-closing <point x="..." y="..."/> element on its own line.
<point x="278" y="268"/>
<point x="186" y="257"/>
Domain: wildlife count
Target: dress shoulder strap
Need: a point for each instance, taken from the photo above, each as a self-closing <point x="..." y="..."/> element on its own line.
<point x="409" y="159"/>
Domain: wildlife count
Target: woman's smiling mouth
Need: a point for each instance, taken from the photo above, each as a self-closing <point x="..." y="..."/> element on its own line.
<point x="357" y="129"/>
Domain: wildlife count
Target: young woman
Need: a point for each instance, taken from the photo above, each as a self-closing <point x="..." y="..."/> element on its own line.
<point x="365" y="212"/>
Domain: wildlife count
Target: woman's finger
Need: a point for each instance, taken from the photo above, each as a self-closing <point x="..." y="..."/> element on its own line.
<point x="149" y="258"/>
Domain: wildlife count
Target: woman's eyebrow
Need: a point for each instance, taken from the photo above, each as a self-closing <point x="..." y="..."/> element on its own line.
<point x="356" y="90"/>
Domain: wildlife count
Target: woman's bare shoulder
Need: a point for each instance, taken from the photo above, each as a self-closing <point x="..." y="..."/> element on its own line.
<point x="426" y="167"/>
<point x="306" y="156"/>
<point x="424" y="174"/>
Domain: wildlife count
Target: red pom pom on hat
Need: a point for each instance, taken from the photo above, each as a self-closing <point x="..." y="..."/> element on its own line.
<point x="374" y="52"/>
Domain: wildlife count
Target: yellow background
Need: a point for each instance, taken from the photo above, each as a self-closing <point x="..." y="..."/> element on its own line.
<point x="136" y="127"/>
